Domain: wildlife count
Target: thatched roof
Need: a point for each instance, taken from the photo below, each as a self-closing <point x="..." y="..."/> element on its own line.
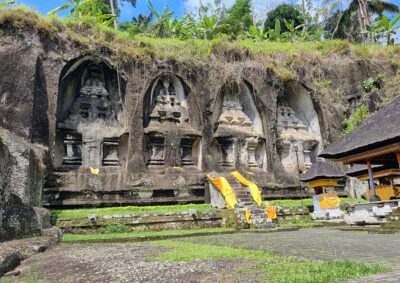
<point x="380" y="129"/>
<point x="321" y="170"/>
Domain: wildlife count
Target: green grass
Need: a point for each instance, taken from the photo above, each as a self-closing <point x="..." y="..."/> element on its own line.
<point x="276" y="268"/>
<point x="308" y="201"/>
<point x="66" y="214"/>
<point x="135" y="234"/>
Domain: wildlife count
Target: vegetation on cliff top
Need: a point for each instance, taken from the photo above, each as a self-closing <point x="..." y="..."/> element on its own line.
<point x="92" y="36"/>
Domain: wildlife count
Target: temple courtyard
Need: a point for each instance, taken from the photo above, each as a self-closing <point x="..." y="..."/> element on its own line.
<point x="239" y="257"/>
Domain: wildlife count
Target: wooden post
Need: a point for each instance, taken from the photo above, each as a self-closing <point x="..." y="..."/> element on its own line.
<point x="374" y="197"/>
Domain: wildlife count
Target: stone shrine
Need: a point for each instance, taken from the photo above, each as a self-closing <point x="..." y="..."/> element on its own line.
<point x="295" y="142"/>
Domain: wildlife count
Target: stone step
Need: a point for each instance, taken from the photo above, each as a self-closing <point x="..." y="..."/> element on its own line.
<point x="241" y="195"/>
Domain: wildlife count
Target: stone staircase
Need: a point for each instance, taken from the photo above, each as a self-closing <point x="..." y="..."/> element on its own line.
<point x="258" y="217"/>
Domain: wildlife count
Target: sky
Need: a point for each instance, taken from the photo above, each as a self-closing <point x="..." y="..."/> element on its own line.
<point x="177" y="6"/>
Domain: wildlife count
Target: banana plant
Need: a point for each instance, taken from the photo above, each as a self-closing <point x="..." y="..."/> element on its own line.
<point x="5" y="4"/>
<point x="388" y="28"/>
<point x="92" y="8"/>
<point x="162" y="25"/>
<point x="207" y="27"/>
<point x="257" y="33"/>
<point x="275" y="34"/>
<point x="293" y="32"/>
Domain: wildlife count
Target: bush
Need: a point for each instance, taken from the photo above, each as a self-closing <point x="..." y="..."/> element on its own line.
<point x="354" y="120"/>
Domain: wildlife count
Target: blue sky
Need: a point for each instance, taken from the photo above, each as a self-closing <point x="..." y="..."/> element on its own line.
<point x="178" y="6"/>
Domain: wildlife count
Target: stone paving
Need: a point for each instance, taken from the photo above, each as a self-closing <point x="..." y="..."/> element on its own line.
<point x="321" y="243"/>
<point x="129" y="262"/>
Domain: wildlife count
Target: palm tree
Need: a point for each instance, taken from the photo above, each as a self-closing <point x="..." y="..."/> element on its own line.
<point x="364" y="9"/>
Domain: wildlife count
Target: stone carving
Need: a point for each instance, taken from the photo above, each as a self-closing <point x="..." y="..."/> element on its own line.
<point x="295" y="142"/>
<point x="233" y="117"/>
<point x="238" y="140"/>
<point x="156" y="151"/>
<point x="169" y="117"/>
<point x="167" y="107"/>
<point x="228" y="150"/>
<point x="91" y="129"/>
<point x="186" y="151"/>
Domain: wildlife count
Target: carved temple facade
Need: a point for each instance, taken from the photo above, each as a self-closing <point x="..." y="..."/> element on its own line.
<point x="157" y="148"/>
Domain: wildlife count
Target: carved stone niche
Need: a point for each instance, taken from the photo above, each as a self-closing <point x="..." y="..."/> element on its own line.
<point x="166" y="108"/>
<point x="73" y="149"/>
<point x="239" y="128"/>
<point x="228" y="151"/>
<point x="295" y="142"/>
<point x="89" y="118"/>
<point x="186" y="151"/>
<point x="155" y="151"/>
<point x="110" y="151"/>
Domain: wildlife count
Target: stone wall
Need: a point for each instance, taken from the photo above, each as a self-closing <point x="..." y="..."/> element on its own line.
<point x="141" y="132"/>
<point x="184" y="220"/>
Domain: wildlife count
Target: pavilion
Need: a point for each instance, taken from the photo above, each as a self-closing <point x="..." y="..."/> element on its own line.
<point x="375" y="142"/>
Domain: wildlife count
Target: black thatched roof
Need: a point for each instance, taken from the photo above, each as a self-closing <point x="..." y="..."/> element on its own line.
<point x="380" y="129"/>
<point x="321" y="170"/>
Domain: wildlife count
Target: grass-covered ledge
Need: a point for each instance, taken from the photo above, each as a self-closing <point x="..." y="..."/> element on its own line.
<point x="65" y="214"/>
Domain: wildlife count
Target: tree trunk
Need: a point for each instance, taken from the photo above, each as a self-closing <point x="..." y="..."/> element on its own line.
<point x="114" y="14"/>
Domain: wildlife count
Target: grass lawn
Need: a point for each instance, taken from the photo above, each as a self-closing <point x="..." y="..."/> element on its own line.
<point x="136" y="234"/>
<point x="65" y="214"/>
<point x="308" y="201"/>
<point x="277" y="268"/>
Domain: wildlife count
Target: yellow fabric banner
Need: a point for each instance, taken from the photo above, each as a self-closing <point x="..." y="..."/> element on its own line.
<point x="328" y="200"/>
<point x="270" y="211"/>
<point x="223" y="186"/>
<point x="248" y="215"/>
<point x="255" y="192"/>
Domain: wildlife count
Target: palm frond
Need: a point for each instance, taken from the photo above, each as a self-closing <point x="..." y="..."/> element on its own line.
<point x="380" y="7"/>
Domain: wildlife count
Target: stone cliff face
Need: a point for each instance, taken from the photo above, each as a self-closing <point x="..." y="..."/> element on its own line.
<point x="20" y="187"/>
<point x="153" y="129"/>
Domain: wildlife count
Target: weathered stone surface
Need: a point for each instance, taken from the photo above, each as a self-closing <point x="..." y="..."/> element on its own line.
<point x="43" y="217"/>
<point x="189" y="219"/>
<point x="161" y="126"/>
<point x="20" y="186"/>
<point x="13" y="252"/>
<point x="9" y="259"/>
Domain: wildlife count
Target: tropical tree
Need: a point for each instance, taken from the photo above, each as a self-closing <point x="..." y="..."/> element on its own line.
<point x="365" y="9"/>
<point x="238" y="18"/>
<point x="284" y="11"/>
